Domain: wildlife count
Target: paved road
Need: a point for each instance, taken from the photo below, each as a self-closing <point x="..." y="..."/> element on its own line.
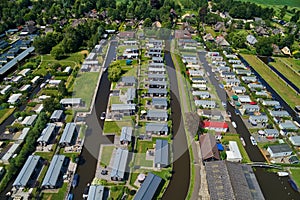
<point x="220" y="91"/>
<point x="94" y="137"/>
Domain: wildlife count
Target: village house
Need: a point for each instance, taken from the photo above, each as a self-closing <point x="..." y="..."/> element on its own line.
<point x="208" y="147"/>
<point x="205" y="103"/>
<point x="157" y="128"/>
<point x="157" y="115"/>
<point x="279" y="150"/>
<point x="126" y="135"/>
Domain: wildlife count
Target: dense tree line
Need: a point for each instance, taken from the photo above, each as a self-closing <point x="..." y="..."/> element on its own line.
<point x="243" y="10"/>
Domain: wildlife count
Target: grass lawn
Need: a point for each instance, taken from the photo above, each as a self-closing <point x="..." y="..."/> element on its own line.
<point x="277" y="84"/>
<point x="295" y="64"/>
<point x="140" y="156"/>
<point x="45" y="155"/>
<point x="69" y="118"/>
<point x="84" y="87"/>
<point x="290" y="74"/>
<point x="209" y="29"/>
<point x="106" y="155"/>
<point x="133" y="177"/>
<point x="235" y="137"/>
<point x="5" y="113"/>
<point x="47" y="61"/>
<point x="115" y="100"/>
<point x="115" y="126"/>
<point x="60" y="195"/>
<point x="49" y="92"/>
<point x="295" y="173"/>
<point x="291" y="3"/>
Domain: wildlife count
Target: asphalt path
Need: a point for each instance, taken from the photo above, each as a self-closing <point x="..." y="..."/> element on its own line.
<point x="94" y="138"/>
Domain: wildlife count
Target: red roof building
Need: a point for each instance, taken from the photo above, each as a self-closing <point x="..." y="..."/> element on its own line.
<point x="216" y="126"/>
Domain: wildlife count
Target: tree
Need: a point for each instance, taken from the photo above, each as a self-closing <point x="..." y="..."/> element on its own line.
<point x="237" y="39"/>
<point x="247" y="26"/>
<point x="114" y="72"/>
<point x="282" y="12"/>
<point x="57" y="52"/>
<point x="147" y="22"/>
<point x="264" y="47"/>
<point x="51" y="104"/>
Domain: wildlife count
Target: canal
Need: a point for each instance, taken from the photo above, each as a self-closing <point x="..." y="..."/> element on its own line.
<point x="179" y="184"/>
<point x="94" y="138"/>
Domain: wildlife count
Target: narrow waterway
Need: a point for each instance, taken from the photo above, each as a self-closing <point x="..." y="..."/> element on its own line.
<point x="94" y="137"/>
<point x="179" y="184"/>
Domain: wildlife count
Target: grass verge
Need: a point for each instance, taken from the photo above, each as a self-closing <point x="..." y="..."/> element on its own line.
<point x="106" y="155"/>
<point x="5" y="113"/>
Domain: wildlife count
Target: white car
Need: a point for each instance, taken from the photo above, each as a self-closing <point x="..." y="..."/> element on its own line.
<point x="234" y="124"/>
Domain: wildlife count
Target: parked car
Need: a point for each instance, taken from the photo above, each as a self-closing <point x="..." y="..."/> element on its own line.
<point x="102" y="116"/>
<point x="234" y="124"/>
<point x="75" y="180"/>
<point x="70" y="196"/>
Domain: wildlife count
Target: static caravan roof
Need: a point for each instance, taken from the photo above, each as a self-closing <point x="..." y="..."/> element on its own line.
<point x="96" y="192"/>
<point x="11" y="151"/>
<point x="280" y="148"/>
<point x="24" y="72"/>
<point x="46" y="133"/>
<point x="29" y="120"/>
<point x="161" y="152"/>
<point x="26" y="172"/>
<point x="71" y="101"/>
<point x="148" y="188"/>
<point x="56" y="114"/>
<point x="6" y="89"/>
<point x="157" y="113"/>
<point x="157" y="127"/>
<point x="68" y="133"/>
<point x="279" y="113"/>
<point x="120" y="162"/>
<point x="234" y="152"/>
<point x="122" y="107"/>
<point x="126" y="134"/>
<point x="295" y="140"/>
<point x="13" y="98"/>
<point x="24" y="133"/>
<point x="159" y="102"/>
<point x="53" y="171"/>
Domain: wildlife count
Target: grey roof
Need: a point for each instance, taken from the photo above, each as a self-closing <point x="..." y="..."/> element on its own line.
<point x="24" y="133"/>
<point x="157" y="65"/>
<point x="71" y="101"/>
<point x="157" y="113"/>
<point x="279" y="113"/>
<point x="280" y="148"/>
<point x="53" y="171"/>
<point x="122" y="107"/>
<point x="56" y="114"/>
<point x="161" y="152"/>
<point x="46" y="133"/>
<point x="148" y="188"/>
<point x="295" y="140"/>
<point x="157" y="75"/>
<point x="228" y="180"/>
<point x="26" y="172"/>
<point x="29" y="120"/>
<point x="159" y="102"/>
<point x="157" y="59"/>
<point x="96" y="192"/>
<point x="271" y="132"/>
<point x="14" y="61"/>
<point x="157" y="91"/>
<point x="288" y="125"/>
<point x="249" y="106"/>
<point x="258" y="117"/>
<point x="155" y="69"/>
<point x="251" y="39"/>
<point x="157" y="127"/>
<point x="158" y="83"/>
<point x="131" y="93"/>
<point x="68" y="133"/>
<point x="128" y="80"/>
<point x="205" y="102"/>
<point x="120" y="162"/>
<point x="126" y="134"/>
<point x="271" y="103"/>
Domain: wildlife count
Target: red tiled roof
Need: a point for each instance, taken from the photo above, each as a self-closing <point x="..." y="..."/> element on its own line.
<point x="215" y="124"/>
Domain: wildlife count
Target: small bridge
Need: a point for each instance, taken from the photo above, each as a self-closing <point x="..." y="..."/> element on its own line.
<point x="264" y="165"/>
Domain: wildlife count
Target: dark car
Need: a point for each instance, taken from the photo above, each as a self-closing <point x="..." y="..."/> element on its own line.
<point x="102" y="116"/>
<point x="75" y="180"/>
<point x="104" y="172"/>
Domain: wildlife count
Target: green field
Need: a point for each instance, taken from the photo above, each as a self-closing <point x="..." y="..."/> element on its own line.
<point x="276" y="83"/>
<point x="84" y="86"/>
<point x="289" y="73"/>
<point x="140" y="156"/>
<point x="291" y="3"/>
<point x="293" y="63"/>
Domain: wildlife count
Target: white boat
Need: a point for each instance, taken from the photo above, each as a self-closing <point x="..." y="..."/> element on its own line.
<point x="282" y="173"/>
<point x="234" y="124"/>
<point x="243" y="141"/>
